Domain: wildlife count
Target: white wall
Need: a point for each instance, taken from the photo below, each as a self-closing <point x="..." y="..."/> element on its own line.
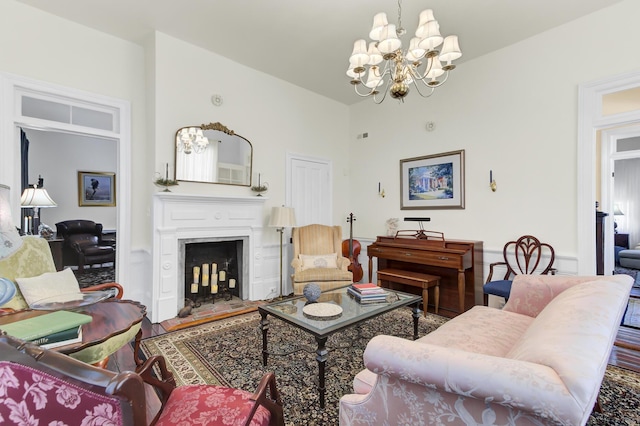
<point x="58" y="157"/>
<point x="41" y="46"/>
<point x="275" y="116"/>
<point x="514" y="111"/>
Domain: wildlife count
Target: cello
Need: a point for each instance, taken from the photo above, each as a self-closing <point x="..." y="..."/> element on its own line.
<point x="351" y="249"/>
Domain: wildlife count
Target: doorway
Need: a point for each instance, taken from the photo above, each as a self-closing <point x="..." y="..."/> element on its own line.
<point x="47" y="107"/>
<point x="593" y="117"/>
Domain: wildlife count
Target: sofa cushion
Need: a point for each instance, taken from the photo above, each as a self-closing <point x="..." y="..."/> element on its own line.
<point x="574" y="334"/>
<point x="323" y="274"/>
<point x="481" y="330"/>
<point x="33" y="258"/>
<point x="319" y="261"/>
<point x="54" y="286"/>
<point x="531" y="293"/>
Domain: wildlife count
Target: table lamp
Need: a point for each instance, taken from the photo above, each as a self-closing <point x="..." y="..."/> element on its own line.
<point x="616" y="212"/>
<point x="35" y="198"/>
<point x="282" y="217"/>
<point x="10" y="239"/>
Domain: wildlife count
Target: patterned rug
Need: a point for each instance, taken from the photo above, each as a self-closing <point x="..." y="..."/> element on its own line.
<point x="92" y="276"/>
<point x="229" y="352"/>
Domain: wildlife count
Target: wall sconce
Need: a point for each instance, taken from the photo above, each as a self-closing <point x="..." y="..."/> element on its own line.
<point x="380" y="190"/>
<point x="492" y="183"/>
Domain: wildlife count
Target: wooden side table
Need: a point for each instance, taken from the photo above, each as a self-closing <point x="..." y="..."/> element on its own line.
<point x="113" y="320"/>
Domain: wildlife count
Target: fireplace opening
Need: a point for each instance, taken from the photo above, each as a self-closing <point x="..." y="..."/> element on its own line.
<point x="213" y="271"/>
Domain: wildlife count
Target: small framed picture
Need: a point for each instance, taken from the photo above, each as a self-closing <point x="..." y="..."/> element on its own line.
<point x="96" y="189"/>
<point x="432" y="182"/>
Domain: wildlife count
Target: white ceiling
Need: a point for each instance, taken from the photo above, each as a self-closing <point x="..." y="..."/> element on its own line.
<point x="308" y="43"/>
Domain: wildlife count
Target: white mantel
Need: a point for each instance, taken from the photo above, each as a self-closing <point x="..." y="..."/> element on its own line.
<point x="179" y="217"/>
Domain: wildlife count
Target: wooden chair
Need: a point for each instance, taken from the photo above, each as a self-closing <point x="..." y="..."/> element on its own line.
<point x="526" y="255"/>
<point x="48" y="387"/>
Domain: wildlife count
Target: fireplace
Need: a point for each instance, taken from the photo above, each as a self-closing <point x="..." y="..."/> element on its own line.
<point x="213" y="270"/>
<point x="180" y="220"/>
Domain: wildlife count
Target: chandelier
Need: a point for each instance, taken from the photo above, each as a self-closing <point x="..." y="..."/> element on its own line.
<point x="421" y="65"/>
<point x="191" y="139"/>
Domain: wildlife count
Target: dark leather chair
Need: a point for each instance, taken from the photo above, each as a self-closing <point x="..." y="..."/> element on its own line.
<point x="52" y="388"/>
<point x="526" y="255"/>
<point x="83" y="244"/>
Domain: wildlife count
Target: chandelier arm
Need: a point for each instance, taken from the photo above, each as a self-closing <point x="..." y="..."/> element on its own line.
<point x="417" y="86"/>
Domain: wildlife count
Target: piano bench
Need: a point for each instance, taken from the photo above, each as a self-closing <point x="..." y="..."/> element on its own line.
<point x="414" y="279"/>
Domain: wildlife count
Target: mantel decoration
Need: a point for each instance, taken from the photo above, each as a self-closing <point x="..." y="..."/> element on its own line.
<point x="165" y="181"/>
<point x="260" y="187"/>
<point x="402" y="68"/>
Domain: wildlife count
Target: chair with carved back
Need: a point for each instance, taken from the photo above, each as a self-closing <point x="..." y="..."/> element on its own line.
<point x="526" y="255"/>
<point x="47" y="387"/>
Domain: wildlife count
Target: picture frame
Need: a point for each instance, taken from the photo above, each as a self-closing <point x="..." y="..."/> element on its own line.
<point x="96" y="189"/>
<point x="432" y="181"/>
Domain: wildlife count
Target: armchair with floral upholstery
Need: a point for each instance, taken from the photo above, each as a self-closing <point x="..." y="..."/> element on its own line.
<point x="33" y="259"/>
<point x="317" y="258"/>
<point x="40" y="386"/>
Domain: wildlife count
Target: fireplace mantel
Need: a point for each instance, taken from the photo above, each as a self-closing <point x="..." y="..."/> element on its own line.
<point x="198" y="217"/>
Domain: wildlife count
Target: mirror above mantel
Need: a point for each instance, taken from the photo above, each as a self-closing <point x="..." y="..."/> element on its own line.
<point x="212" y="153"/>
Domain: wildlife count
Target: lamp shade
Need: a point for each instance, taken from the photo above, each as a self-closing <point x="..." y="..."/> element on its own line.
<point x="36" y="197"/>
<point x="617" y="211"/>
<point x="10" y="239"/>
<point x="282" y="217"/>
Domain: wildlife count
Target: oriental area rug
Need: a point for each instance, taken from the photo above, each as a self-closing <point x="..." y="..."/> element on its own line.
<point x="229" y="352"/>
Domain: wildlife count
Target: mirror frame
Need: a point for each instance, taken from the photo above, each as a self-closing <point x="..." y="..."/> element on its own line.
<point x="222" y="128"/>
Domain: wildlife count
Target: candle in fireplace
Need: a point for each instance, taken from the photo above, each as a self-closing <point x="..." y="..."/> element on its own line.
<point x="205" y="274"/>
<point x="196" y="274"/>
<point x="214" y="268"/>
<point x="222" y="276"/>
<point x="194" y="287"/>
<point x="232" y="283"/>
<point x="214" y="283"/>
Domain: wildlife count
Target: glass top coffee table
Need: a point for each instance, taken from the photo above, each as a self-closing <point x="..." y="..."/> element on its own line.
<point x="344" y="313"/>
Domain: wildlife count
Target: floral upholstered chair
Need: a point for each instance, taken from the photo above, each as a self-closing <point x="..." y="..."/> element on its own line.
<point x="39" y="386"/>
<point x="317" y="258"/>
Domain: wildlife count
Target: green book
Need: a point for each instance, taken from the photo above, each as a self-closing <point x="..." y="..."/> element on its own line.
<point x="44" y="325"/>
<point x="64" y="337"/>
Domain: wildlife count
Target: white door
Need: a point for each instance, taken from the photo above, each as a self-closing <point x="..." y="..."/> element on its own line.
<point x="309" y="189"/>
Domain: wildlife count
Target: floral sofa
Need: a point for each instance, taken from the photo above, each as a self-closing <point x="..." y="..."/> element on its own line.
<point x="538" y="361"/>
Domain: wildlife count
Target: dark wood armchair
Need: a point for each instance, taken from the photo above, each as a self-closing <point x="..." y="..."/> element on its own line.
<point x="83" y="244"/>
<point x="526" y="255"/>
<point x="72" y="392"/>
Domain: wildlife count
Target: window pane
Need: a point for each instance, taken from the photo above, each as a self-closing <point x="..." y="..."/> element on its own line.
<point x="46" y="110"/>
<point x="628" y="144"/>
<point x="91" y="118"/>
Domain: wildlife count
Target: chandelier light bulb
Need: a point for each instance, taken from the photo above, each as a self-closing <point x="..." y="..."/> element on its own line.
<point x="422" y="66"/>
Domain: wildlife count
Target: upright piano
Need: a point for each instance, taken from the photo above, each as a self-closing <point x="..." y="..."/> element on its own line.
<point x="458" y="263"/>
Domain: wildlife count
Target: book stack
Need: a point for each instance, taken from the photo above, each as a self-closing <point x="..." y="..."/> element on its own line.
<point x="50" y="330"/>
<point x="367" y="293"/>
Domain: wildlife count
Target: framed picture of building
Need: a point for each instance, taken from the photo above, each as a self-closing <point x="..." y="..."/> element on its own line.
<point x="97" y="189"/>
<point x="433" y="181"/>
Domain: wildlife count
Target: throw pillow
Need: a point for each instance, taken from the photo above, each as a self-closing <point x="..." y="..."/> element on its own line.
<point x="53" y="286"/>
<point x="319" y="261"/>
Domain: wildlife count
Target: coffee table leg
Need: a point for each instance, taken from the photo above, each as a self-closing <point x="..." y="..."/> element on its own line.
<point x="322" y="353"/>
<point x="416" y="316"/>
<point x="264" y="326"/>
